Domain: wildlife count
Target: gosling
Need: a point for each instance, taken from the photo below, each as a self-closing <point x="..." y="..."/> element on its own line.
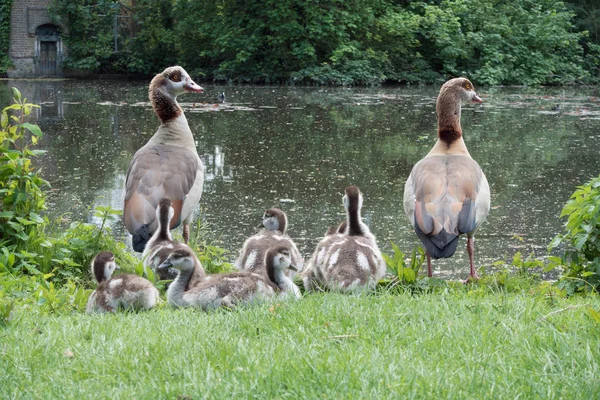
<point x="125" y="291"/>
<point x="252" y="254"/>
<point x="355" y="262"/>
<point x="232" y="289"/>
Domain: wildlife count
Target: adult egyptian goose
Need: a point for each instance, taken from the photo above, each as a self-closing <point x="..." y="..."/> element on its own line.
<point x="125" y="291"/>
<point x="168" y="165"/>
<point x="161" y="244"/>
<point x="228" y="290"/>
<point x="355" y="262"/>
<point x="252" y="254"/>
<point x="447" y="194"/>
<point x="312" y="276"/>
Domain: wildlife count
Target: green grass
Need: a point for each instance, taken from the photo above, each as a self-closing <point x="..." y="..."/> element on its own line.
<point x="461" y="342"/>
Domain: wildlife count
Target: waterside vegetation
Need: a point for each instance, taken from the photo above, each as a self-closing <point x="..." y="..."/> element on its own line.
<point x="509" y="334"/>
<point x="340" y="43"/>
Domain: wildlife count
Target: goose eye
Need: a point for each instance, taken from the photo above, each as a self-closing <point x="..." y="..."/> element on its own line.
<point x="175" y="76"/>
<point x="468" y="86"/>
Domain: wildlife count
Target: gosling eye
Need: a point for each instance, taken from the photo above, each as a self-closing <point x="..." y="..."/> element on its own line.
<point x="468" y="86"/>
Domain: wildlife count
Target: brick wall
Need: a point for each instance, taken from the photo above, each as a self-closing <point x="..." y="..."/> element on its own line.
<point x="25" y="17"/>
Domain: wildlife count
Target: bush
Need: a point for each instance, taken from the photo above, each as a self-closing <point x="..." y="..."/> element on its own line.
<point x="581" y="258"/>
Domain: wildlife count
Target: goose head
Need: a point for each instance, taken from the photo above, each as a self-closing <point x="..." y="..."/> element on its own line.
<point x="175" y="81"/>
<point x="182" y="259"/>
<point x="164" y="89"/>
<point x="275" y="219"/>
<point x="461" y="89"/>
<point x="452" y="95"/>
<point x="103" y="266"/>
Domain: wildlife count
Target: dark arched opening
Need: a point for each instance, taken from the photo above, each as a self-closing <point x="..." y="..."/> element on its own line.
<point x="48" y="50"/>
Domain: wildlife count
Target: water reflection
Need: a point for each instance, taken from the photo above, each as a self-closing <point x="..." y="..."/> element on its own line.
<point x="298" y="148"/>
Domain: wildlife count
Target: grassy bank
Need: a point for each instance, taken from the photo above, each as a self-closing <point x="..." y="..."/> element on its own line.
<point x="460" y="342"/>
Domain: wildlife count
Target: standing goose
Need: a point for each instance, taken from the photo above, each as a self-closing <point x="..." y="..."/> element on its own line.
<point x="161" y="244"/>
<point x="313" y="275"/>
<point x="447" y="194"/>
<point x="354" y="262"/>
<point x="228" y="290"/>
<point x="122" y="291"/>
<point x="252" y="254"/>
<point x="168" y="165"/>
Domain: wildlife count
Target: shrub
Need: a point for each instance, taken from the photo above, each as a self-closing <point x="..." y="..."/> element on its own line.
<point x="581" y="239"/>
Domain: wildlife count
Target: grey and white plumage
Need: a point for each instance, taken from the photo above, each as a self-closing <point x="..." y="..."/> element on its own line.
<point x="168" y="165"/>
<point x="161" y="244"/>
<point x="252" y="254"/>
<point x="124" y="291"/>
<point x="447" y="194"/>
<point x="231" y="289"/>
<point x="353" y="262"/>
<point x="312" y="276"/>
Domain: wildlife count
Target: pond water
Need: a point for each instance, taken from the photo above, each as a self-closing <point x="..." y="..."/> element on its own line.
<point x="298" y="148"/>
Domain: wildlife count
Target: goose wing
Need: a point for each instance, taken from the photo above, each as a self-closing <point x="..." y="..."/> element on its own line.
<point x="156" y="172"/>
<point x="446" y="196"/>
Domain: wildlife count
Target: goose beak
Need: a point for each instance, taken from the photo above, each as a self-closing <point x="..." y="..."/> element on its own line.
<point x="476" y="99"/>
<point x="166" y="264"/>
<point x="192" y="86"/>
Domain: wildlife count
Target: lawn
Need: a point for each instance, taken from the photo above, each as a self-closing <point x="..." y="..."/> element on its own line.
<point x="454" y="342"/>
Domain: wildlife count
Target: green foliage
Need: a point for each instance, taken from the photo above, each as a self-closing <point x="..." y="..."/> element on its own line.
<point x="405" y="273"/>
<point x="581" y="238"/>
<point x="515" y="46"/>
<point x="90" y="37"/>
<point x="337" y="42"/>
<point x="213" y="257"/>
<point x="21" y="195"/>
<point x="5" y="63"/>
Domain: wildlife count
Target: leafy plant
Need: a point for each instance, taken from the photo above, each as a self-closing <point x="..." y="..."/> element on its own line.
<point x="581" y="238"/>
<point x="405" y="273"/>
<point x="21" y="195"/>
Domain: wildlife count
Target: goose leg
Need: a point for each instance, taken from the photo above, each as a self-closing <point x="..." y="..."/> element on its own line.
<point x="429" y="269"/>
<point x="470" y="250"/>
<point x="186" y="233"/>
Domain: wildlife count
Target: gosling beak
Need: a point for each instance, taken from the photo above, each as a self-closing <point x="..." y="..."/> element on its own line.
<point x="192" y="86"/>
<point x="476" y="99"/>
<point x="293" y="268"/>
<point x="166" y="264"/>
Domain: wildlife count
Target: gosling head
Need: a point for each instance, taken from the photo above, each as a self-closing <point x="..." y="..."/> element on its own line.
<point x="275" y="219"/>
<point x="103" y="266"/>
<point x="280" y="259"/>
<point x="352" y="199"/>
<point x="182" y="259"/>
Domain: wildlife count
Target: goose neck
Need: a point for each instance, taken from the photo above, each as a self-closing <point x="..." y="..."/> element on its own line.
<point x="175" y="132"/>
<point x="448" y="110"/>
<point x="177" y="288"/>
<point x="164" y="104"/>
<point x="355" y="225"/>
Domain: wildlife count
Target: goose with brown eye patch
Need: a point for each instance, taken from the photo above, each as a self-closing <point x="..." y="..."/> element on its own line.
<point x="253" y="251"/>
<point x="168" y="165"/>
<point x="447" y="194"/>
<point x="124" y="291"/>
